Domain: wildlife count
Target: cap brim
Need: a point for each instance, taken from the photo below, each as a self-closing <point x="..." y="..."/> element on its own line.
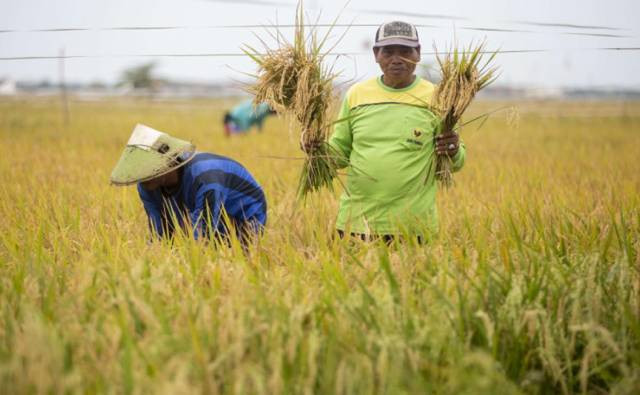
<point x="397" y="41"/>
<point x="139" y="165"/>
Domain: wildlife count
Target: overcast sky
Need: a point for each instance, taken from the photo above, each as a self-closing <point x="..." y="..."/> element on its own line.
<point x="569" y="35"/>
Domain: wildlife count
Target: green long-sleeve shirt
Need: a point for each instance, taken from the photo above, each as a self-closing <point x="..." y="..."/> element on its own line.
<point x="387" y="137"/>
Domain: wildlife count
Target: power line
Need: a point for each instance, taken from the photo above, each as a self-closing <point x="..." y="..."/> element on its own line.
<point x="287" y="26"/>
<point x="250" y="2"/>
<point x="228" y="55"/>
<point x="413" y="14"/>
<point x="620" y="49"/>
<point x="375" y="12"/>
<point x="459" y="18"/>
<point x="598" y="35"/>
<point x="567" y="25"/>
<point x="491" y="29"/>
<point x="127" y="28"/>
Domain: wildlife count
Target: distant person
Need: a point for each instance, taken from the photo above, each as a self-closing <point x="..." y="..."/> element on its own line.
<point x="199" y="192"/>
<point x="243" y="116"/>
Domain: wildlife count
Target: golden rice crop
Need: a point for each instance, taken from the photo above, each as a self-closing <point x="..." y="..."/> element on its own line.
<point x="532" y="287"/>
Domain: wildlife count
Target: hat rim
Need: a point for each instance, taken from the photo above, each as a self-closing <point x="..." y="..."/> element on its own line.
<point x="169" y="170"/>
<point x="397" y="41"/>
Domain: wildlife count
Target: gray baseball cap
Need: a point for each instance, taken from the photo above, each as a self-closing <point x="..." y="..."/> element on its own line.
<point x="397" y="33"/>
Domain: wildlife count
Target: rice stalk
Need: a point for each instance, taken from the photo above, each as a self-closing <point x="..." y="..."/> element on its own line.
<point x="464" y="73"/>
<point x="89" y="305"/>
<point x="294" y="81"/>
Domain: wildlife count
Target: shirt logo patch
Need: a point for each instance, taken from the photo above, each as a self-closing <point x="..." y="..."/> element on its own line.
<point x="417" y="133"/>
<point x="415" y="142"/>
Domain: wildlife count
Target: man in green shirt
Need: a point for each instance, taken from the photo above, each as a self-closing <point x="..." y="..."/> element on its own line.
<point x="387" y="141"/>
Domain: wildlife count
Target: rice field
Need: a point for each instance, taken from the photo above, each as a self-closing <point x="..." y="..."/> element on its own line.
<point x="532" y="287"/>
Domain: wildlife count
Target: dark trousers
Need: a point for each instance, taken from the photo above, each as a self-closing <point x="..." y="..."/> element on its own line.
<point x="388" y="239"/>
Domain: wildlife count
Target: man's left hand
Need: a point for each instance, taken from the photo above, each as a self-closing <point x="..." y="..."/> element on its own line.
<point x="447" y="144"/>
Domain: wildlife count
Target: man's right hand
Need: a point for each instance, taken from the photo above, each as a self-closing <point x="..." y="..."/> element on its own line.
<point x="447" y="144"/>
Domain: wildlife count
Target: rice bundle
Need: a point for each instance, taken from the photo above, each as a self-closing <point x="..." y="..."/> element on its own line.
<point x="464" y="73"/>
<point x="293" y="81"/>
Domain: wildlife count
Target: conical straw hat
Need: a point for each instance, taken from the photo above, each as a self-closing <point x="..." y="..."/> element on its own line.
<point x="150" y="153"/>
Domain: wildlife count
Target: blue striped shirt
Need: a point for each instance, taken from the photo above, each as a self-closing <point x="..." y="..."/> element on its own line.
<point x="208" y="181"/>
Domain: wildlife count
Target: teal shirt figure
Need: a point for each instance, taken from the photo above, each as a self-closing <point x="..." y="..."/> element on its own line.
<point x="243" y="116"/>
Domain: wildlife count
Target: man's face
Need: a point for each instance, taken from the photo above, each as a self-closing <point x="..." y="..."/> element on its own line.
<point x="153" y="184"/>
<point x="397" y="62"/>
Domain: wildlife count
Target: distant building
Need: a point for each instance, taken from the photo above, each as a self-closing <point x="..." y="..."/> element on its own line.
<point x="7" y="87"/>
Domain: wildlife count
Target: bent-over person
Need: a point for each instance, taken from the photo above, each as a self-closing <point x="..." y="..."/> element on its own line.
<point x="244" y="116"/>
<point x="199" y="192"/>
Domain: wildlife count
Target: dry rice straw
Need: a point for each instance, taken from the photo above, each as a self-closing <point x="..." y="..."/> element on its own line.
<point x="293" y="80"/>
<point x="464" y="74"/>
